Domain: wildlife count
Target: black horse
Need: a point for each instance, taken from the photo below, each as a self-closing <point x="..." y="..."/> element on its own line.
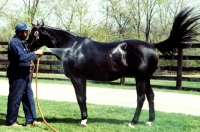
<point x="86" y="59"/>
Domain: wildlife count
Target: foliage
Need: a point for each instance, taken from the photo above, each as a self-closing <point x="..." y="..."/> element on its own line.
<point x="102" y="20"/>
<point x="121" y="19"/>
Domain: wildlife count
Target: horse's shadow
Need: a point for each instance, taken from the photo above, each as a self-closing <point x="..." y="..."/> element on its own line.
<point x="90" y="120"/>
<point x="72" y="120"/>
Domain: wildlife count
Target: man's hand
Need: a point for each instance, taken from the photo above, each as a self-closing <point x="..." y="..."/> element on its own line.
<point x="39" y="52"/>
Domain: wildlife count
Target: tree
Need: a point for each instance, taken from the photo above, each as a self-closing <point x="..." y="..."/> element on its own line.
<point x="117" y="13"/>
<point x="2" y="13"/>
<point x="75" y="16"/>
<point x="135" y="17"/>
<point x="150" y="10"/>
<point x="31" y="9"/>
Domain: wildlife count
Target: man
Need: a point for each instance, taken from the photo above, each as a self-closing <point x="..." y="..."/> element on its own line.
<point x="19" y="81"/>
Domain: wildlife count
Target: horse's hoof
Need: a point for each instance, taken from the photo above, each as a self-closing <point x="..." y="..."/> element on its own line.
<point x="130" y="125"/>
<point x="83" y="123"/>
<point x="148" y="123"/>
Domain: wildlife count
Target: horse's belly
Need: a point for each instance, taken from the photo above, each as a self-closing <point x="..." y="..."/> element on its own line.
<point x="105" y="74"/>
<point x="95" y="73"/>
<point x="106" y="67"/>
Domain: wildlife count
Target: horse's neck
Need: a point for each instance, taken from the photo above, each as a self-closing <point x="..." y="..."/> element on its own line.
<point x="67" y="42"/>
<point x="64" y="39"/>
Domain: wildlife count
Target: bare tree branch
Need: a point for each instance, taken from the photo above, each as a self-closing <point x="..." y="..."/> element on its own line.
<point x="3" y="5"/>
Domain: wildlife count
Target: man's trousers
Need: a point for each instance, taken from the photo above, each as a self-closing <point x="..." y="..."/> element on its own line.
<point x="20" y="91"/>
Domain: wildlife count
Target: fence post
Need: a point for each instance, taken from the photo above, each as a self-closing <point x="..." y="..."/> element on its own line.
<point x="122" y="81"/>
<point x="179" y="69"/>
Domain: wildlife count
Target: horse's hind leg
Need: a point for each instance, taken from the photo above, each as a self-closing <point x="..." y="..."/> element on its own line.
<point x="140" y="87"/>
<point x="150" y="98"/>
<point x="80" y="90"/>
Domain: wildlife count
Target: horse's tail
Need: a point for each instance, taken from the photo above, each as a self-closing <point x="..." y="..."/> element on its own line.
<point x="184" y="29"/>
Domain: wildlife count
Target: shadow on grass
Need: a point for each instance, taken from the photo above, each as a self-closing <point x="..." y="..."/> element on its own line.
<point x="3" y="118"/>
<point x="90" y="120"/>
<point x="72" y="120"/>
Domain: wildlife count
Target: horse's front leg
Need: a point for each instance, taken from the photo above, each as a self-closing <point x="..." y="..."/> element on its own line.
<point x="80" y="90"/>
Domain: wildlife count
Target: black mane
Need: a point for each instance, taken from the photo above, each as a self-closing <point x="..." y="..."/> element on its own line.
<point x="61" y="30"/>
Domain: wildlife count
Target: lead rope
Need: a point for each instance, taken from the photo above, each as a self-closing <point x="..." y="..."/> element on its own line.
<point x="36" y="80"/>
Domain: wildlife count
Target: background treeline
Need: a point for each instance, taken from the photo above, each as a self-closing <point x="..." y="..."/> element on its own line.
<point x="102" y="20"/>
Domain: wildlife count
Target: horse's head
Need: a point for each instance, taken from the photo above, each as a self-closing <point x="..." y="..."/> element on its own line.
<point x="39" y="37"/>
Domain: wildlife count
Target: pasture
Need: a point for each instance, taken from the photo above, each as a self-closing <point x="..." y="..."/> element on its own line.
<point x="63" y="116"/>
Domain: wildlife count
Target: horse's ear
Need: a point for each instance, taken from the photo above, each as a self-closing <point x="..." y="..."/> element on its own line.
<point x="38" y="24"/>
<point x="42" y="23"/>
<point x="33" y="25"/>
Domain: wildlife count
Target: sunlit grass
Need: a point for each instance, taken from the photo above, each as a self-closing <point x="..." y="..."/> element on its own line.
<point x="63" y="116"/>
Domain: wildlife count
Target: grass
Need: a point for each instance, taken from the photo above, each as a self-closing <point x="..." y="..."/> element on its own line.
<point x="63" y="116"/>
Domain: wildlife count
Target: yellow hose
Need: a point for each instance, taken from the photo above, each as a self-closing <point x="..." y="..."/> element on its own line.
<point x="36" y="80"/>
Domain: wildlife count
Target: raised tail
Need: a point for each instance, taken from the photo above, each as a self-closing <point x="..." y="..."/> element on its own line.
<point x="184" y="29"/>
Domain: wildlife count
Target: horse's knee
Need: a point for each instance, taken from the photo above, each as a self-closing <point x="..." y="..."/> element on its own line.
<point x="141" y="100"/>
<point x="81" y="100"/>
<point x="150" y="97"/>
<point x="149" y="91"/>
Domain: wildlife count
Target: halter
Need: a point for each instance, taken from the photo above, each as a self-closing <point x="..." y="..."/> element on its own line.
<point x="36" y="35"/>
<point x="36" y="38"/>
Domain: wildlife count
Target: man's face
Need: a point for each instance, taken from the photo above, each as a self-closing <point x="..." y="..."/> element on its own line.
<point x="22" y="34"/>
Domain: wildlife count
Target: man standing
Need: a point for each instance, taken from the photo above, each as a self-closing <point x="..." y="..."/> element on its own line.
<point x="19" y="81"/>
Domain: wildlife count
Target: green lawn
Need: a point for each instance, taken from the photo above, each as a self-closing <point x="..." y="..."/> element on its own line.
<point x="63" y="116"/>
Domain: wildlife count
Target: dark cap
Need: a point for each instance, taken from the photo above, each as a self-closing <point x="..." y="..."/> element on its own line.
<point x="22" y="26"/>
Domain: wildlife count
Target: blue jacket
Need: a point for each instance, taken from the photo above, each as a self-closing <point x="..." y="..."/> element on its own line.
<point x="19" y="58"/>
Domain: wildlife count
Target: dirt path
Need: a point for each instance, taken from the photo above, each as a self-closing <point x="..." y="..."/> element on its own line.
<point x="164" y="101"/>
